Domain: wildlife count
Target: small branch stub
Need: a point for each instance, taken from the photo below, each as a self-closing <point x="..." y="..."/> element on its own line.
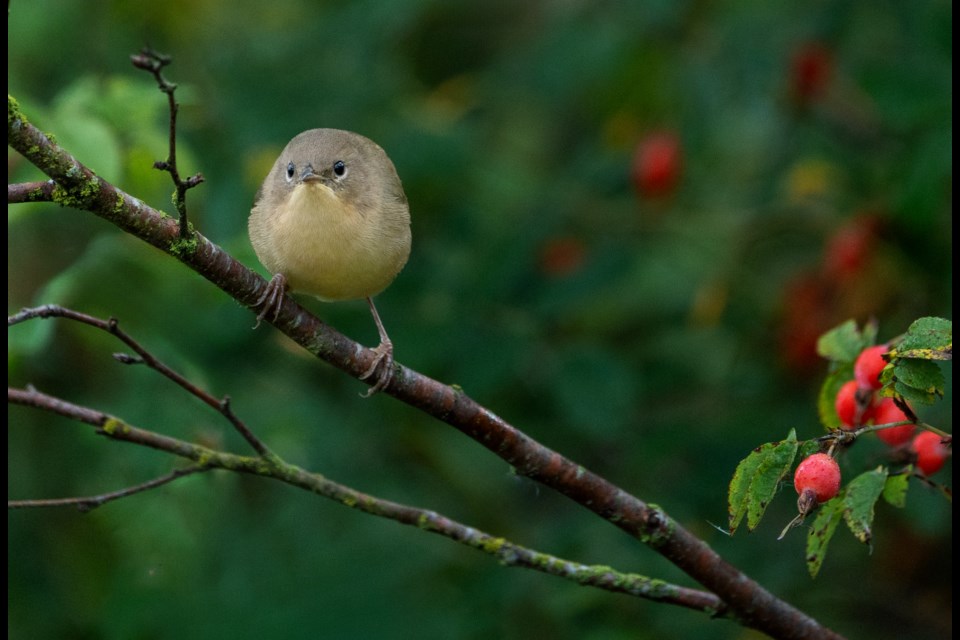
<point x="154" y="62"/>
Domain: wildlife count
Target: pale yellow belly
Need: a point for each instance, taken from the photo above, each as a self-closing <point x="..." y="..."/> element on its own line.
<point x="328" y="251"/>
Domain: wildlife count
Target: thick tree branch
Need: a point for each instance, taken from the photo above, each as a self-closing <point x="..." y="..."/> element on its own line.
<point x="30" y="192"/>
<point x="273" y="467"/>
<point x="753" y="605"/>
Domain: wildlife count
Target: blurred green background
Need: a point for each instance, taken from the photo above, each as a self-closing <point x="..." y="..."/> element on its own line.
<point x="653" y="332"/>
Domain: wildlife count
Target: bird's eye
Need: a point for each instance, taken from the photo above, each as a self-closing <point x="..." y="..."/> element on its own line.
<point x="291" y="170"/>
<point x="339" y="168"/>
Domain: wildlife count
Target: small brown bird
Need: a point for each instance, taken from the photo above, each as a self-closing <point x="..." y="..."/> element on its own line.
<point x="331" y="220"/>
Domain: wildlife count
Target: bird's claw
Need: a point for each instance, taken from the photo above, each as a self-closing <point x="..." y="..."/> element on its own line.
<point x="271" y="298"/>
<point x="384" y="361"/>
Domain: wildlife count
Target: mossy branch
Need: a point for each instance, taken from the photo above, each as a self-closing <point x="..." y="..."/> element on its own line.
<point x="274" y="468"/>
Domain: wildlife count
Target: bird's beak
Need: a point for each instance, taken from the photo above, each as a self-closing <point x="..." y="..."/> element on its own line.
<point x="308" y="174"/>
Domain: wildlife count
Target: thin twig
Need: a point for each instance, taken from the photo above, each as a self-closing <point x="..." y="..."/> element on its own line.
<point x="506" y="552"/>
<point x="154" y="62"/>
<point x="89" y="503"/>
<point x="112" y="327"/>
<point x="846" y="436"/>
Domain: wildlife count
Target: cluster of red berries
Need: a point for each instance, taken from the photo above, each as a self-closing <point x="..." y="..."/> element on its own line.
<point x="817" y="478"/>
<point x="857" y="405"/>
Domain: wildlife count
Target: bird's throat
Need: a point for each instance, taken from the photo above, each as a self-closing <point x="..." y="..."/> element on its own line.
<point x="315" y="200"/>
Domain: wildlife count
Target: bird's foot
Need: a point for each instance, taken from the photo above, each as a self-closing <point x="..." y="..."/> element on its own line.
<point x="384" y="361"/>
<point x="272" y="298"/>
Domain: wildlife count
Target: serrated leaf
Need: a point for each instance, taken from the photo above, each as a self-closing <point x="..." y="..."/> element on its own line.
<point x="770" y="472"/>
<point x="842" y="343"/>
<point x="826" y="400"/>
<point x="895" y="488"/>
<point x="750" y="488"/>
<point x="912" y="394"/>
<point x="926" y="354"/>
<point x="929" y="339"/>
<point x="740" y="485"/>
<point x="824" y="526"/>
<point x="862" y="493"/>
<point x="922" y="375"/>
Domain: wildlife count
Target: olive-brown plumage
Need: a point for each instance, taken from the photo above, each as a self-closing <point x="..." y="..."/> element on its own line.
<point x="331" y="220"/>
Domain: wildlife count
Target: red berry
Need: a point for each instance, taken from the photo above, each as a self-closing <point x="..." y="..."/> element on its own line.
<point x="888" y="411"/>
<point x="820" y="474"/>
<point x="657" y="163"/>
<point x="931" y="452"/>
<point x="804" y="320"/>
<point x="868" y="366"/>
<point x="847" y="404"/>
<point x="847" y="252"/>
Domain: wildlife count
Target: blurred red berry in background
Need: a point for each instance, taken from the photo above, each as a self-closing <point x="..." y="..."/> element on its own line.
<point x="811" y="68"/>
<point x="847" y="251"/>
<point x="657" y="164"/>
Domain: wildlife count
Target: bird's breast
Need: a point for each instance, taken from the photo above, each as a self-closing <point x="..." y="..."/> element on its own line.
<point x="329" y="248"/>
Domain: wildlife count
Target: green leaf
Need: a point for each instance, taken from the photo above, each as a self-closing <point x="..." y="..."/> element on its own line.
<point x="824" y="526"/>
<point x="756" y="479"/>
<point x="912" y="394"/>
<point x="740" y="485"/>
<point x="923" y="375"/>
<point x="826" y="401"/>
<point x="90" y="138"/>
<point x="868" y="335"/>
<point x="926" y="354"/>
<point x="808" y="448"/>
<point x="843" y="343"/>
<point x="886" y="375"/>
<point x="771" y="471"/>
<point x="928" y="339"/>
<point x="862" y="493"/>
<point x="895" y="488"/>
